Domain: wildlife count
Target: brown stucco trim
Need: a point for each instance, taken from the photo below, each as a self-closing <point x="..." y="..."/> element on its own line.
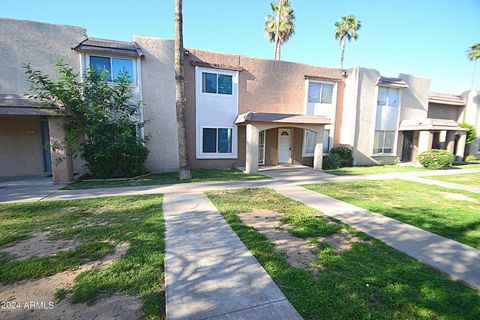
<point x="214" y="66"/>
<point x="309" y="77"/>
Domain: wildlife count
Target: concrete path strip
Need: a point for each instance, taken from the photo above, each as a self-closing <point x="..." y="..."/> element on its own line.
<point x="444" y="184"/>
<point x="459" y="261"/>
<point x="209" y="273"/>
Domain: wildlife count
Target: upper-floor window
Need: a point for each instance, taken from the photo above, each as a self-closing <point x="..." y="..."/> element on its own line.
<point x="216" y="83"/>
<point x="386" y="120"/>
<point x="320" y="92"/>
<point x="112" y="67"/>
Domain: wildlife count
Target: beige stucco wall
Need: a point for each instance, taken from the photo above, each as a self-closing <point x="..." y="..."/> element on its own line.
<point x="158" y="95"/>
<point x="264" y="86"/>
<point x="359" y="111"/>
<point x="20" y="146"/>
<point x="472" y="115"/>
<point x="444" y="111"/>
<point x="41" y="45"/>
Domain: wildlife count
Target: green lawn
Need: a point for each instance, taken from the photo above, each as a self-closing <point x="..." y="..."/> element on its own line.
<point x="372" y="170"/>
<point x="391" y="169"/>
<point x="426" y="206"/>
<point x="470" y="165"/>
<point x="371" y="281"/>
<point x="471" y="179"/>
<point x="98" y="225"/>
<point x="198" y="175"/>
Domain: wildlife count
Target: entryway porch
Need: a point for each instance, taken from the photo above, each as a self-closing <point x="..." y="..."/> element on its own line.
<point x="275" y="139"/>
<point x="420" y="136"/>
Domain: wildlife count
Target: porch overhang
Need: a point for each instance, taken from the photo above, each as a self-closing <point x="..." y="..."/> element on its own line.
<point x="109" y="47"/>
<point x="258" y="121"/>
<point x="430" y="125"/>
<point x="281" y="119"/>
<point x="15" y="105"/>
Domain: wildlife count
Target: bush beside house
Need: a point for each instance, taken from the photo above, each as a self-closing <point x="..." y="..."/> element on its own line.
<point x="471" y="136"/>
<point x="339" y="157"/>
<point x="104" y="122"/>
<point x="436" y="159"/>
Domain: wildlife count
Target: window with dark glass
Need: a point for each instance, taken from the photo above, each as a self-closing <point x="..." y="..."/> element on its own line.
<point x="216" y="83"/>
<point x="320" y="92"/>
<point x="217" y="140"/>
<point x="112" y="67"/>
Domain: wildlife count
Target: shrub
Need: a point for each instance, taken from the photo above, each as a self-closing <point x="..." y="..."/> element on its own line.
<point x="470" y="158"/>
<point x="104" y="119"/>
<point x="436" y="159"/>
<point x="332" y="161"/>
<point x="345" y="154"/>
<point x="471" y="133"/>
<point x="118" y="160"/>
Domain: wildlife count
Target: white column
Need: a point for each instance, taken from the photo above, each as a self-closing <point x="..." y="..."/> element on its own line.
<point x="318" y="155"/>
<point x="62" y="164"/>
<point x="251" y="154"/>
<point x="461" y="146"/>
<point x="450" y="141"/>
<point x="443" y="139"/>
<point x="425" y="138"/>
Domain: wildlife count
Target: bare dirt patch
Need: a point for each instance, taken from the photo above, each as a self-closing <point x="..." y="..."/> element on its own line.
<point x="457" y="196"/>
<point x="102" y="210"/>
<point x="299" y="252"/>
<point x="42" y="290"/>
<point x="267" y="222"/>
<point x="39" y="245"/>
<point x="341" y="241"/>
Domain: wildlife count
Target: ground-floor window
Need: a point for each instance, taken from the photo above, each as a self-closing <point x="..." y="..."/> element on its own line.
<point x="216" y="140"/>
<point x="309" y="142"/>
<point x="384" y="141"/>
<point x="261" y="147"/>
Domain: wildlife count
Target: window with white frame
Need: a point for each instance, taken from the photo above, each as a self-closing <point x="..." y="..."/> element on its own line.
<point x="217" y="140"/>
<point x="388" y="106"/>
<point x="309" y="143"/>
<point x="112" y="67"/>
<point x="217" y="83"/>
<point x="320" y="92"/>
<point x="261" y="147"/>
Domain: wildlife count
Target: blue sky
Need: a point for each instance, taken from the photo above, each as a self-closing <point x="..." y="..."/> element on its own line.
<point x="426" y="38"/>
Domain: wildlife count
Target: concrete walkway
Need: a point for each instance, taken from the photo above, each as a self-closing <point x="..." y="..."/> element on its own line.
<point x="209" y="273"/>
<point x="459" y="261"/>
<point x="284" y="176"/>
<point x="444" y="184"/>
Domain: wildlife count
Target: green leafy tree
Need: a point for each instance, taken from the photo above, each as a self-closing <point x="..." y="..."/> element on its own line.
<point x="280" y="26"/>
<point x="346" y="29"/>
<point x="471" y="133"/>
<point x="103" y="119"/>
<point x="473" y="53"/>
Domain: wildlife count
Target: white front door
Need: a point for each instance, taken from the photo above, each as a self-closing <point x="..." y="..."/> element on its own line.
<point x="284" y="145"/>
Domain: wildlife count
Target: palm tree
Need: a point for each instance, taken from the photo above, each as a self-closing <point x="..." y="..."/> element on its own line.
<point x="184" y="170"/>
<point x="280" y="26"/>
<point x="473" y="54"/>
<point x="346" y="29"/>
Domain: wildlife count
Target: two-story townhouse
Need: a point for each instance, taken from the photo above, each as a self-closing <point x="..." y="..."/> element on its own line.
<point x="387" y="119"/>
<point x="246" y="112"/>
<point x="27" y="130"/>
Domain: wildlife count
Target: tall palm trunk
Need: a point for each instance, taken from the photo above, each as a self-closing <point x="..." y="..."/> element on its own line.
<point x="473" y="74"/>
<point x="277" y="29"/>
<point x="184" y="172"/>
<point x="343" y="51"/>
<point x="279" y="51"/>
